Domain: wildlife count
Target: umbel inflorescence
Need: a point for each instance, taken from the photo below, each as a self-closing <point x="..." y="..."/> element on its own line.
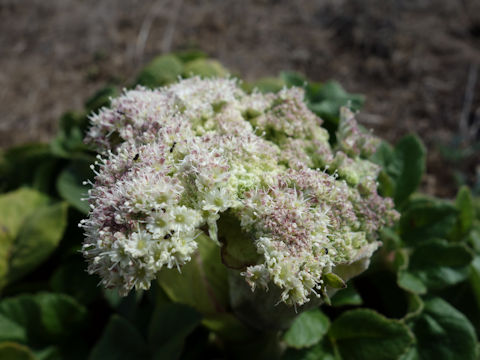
<point x="174" y="160"/>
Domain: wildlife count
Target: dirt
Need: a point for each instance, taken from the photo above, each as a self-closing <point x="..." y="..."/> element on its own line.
<point x="416" y="61"/>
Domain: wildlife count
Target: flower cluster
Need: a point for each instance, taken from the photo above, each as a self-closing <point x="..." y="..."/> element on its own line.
<point x="172" y="160"/>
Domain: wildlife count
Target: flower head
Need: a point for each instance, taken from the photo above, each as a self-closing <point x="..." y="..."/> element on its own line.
<point x="174" y="159"/>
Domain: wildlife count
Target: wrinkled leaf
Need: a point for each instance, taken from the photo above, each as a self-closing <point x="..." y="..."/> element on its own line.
<point x="346" y="297"/>
<point x="427" y="218"/>
<point x="435" y="265"/>
<point x="307" y="329"/>
<point x="364" y="334"/>
<point x="443" y="333"/>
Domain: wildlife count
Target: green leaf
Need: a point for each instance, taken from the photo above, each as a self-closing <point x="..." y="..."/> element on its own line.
<point x="346" y="297"/>
<point x="28" y="165"/>
<point x="238" y="249"/>
<point x="36" y="240"/>
<point x="269" y="85"/>
<point x="384" y="156"/>
<point x="410" y="282"/>
<point x="202" y="284"/>
<point x="100" y="99"/>
<point x="334" y="281"/>
<point x="69" y="139"/>
<point x="120" y="341"/>
<point x="40" y="319"/>
<point x="291" y="78"/>
<point x="327" y="99"/>
<point x="307" y="329"/>
<point x="443" y="333"/>
<point x="70" y="184"/>
<point x="204" y="68"/>
<point x="190" y="55"/>
<point x="473" y="237"/>
<point x="71" y="278"/>
<point x="170" y="325"/>
<point x="30" y="229"/>
<point x="364" y="334"/>
<point x="427" y="218"/>
<point x="464" y="204"/>
<point x="415" y="306"/>
<point x="48" y="353"/>
<point x="435" y="265"/>
<point x="321" y="351"/>
<point x="403" y="167"/>
<point x="475" y="279"/>
<point x="14" y="351"/>
<point x="408" y="167"/>
<point x="11" y="330"/>
<point x="16" y="206"/>
<point x="386" y="185"/>
<point x="161" y="71"/>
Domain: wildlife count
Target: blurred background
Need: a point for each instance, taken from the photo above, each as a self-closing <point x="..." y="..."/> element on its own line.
<point x="416" y="61"/>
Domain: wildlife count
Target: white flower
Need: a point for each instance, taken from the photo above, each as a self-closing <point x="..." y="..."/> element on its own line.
<point x="175" y="159"/>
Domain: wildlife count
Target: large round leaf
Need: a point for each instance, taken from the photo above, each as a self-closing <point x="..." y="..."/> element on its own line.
<point x="366" y="335"/>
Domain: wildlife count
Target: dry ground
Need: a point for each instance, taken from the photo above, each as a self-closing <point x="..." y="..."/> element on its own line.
<point x="415" y="60"/>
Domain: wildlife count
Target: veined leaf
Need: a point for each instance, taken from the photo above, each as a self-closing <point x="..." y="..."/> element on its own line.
<point x="30" y="229"/>
<point x="364" y="334"/>
<point x="434" y="265"/>
<point x="41" y="319"/>
<point x="443" y="333"/>
<point x="307" y="329"/>
<point x="427" y="218"/>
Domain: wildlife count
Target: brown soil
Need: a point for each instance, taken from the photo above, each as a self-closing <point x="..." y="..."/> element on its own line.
<point x="412" y="59"/>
